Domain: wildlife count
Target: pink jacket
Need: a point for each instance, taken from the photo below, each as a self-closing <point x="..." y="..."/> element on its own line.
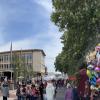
<point x="68" y="95"/>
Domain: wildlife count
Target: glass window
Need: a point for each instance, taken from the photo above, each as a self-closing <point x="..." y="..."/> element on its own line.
<point x="7" y="66"/>
<point x="7" y="58"/>
<point x="2" y="66"/>
<point x="23" y="55"/>
<point x="28" y="57"/>
<point x="4" y="58"/>
<point x="0" y="58"/>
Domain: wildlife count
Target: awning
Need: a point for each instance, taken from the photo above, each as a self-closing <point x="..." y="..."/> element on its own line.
<point x="72" y="78"/>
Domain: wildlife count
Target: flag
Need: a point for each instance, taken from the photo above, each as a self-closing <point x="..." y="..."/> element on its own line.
<point x="11" y="59"/>
<point x="11" y="54"/>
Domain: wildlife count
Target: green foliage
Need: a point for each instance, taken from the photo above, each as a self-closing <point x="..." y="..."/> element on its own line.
<point x="80" y="22"/>
<point x="19" y="66"/>
<point x="60" y="63"/>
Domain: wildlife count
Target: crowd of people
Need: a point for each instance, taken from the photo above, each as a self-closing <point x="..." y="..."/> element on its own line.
<point x="38" y="90"/>
<point x="28" y="92"/>
<point x="72" y="92"/>
<point x="47" y="90"/>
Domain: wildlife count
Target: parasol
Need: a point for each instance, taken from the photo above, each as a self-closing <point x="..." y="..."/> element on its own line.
<point x="20" y="77"/>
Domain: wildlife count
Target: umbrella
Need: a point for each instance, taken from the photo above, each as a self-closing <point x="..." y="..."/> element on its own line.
<point x="20" y="77"/>
<point x="60" y="77"/>
<point x="49" y="77"/>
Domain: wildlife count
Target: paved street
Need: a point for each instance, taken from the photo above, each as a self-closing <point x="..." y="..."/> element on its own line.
<point x="60" y="94"/>
<point x="12" y="95"/>
<point x="8" y="98"/>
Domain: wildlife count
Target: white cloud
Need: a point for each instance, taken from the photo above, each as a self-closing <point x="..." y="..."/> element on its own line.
<point x="51" y="47"/>
<point x="16" y="45"/>
<point x="46" y="4"/>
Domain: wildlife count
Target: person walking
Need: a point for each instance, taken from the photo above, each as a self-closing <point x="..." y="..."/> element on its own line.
<point x="33" y="92"/>
<point x="75" y="93"/>
<point x="87" y="91"/>
<point x="28" y="92"/>
<point x="44" y="90"/>
<point x="18" y="92"/>
<point x="23" y="92"/>
<point x="5" y="89"/>
<point x="41" y="88"/>
<point x="50" y="90"/>
<point x="69" y="95"/>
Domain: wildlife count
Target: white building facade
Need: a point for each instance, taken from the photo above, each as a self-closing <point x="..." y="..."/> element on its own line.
<point x="34" y="60"/>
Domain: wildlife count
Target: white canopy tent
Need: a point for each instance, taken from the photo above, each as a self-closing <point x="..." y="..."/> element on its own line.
<point x="49" y="77"/>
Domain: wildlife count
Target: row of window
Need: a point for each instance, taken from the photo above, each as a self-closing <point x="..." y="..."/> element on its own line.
<point x="7" y="58"/>
<point x="8" y="66"/>
<point x="5" y="66"/>
<point x="4" y="58"/>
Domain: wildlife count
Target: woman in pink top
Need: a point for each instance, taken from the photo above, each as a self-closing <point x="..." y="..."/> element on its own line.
<point x="28" y="92"/>
<point x="33" y="92"/>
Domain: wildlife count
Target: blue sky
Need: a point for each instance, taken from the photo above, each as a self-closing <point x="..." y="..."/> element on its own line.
<point x="27" y="24"/>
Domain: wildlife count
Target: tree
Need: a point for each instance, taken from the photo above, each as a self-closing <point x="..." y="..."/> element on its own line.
<point x="80" y="22"/>
<point x="59" y="63"/>
<point x="16" y="66"/>
<point x="19" y="66"/>
<point x="62" y="65"/>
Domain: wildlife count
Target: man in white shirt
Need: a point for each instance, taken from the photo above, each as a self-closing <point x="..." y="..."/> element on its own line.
<point x="50" y="90"/>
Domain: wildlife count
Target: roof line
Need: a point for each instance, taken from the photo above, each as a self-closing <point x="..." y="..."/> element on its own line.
<point x="24" y="50"/>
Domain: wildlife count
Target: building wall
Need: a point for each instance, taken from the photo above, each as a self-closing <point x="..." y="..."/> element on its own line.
<point x="38" y="61"/>
<point x="33" y="60"/>
<point x="5" y="62"/>
<point x="42" y="63"/>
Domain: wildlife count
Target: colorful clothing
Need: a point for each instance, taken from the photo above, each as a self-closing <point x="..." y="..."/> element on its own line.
<point x="68" y="95"/>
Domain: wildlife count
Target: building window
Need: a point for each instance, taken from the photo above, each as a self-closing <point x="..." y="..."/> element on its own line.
<point x="28" y="57"/>
<point x="23" y="56"/>
<point x="6" y="58"/>
<point x="7" y="66"/>
<point x="1" y="58"/>
<point x="10" y="66"/>
<point x="2" y="66"/>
